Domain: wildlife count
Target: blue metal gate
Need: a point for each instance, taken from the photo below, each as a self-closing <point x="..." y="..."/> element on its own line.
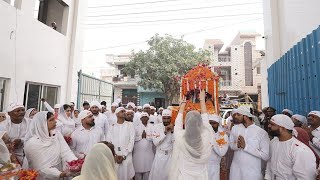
<point x="294" y="80"/>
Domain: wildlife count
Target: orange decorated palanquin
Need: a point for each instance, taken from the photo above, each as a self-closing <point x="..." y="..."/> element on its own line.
<point x="199" y="77"/>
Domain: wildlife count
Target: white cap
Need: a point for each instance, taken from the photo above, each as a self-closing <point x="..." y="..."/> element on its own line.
<point x="144" y="114"/>
<point x="152" y="107"/>
<point x="14" y="106"/>
<point x="283" y="121"/>
<point x="146" y="106"/>
<point x="131" y="104"/>
<point x="139" y="107"/>
<point x="316" y="113"/>
<point x="114" y="104"/>
<point x="129" y="110"/>
<point x="215" y="118"/>
<point x="83" y="114"/>
<point x="243" y="111"/>
<point x="300" y="118"/>
<point x="57" y="106"/>
<point x="119" y="109"/>
<point x="161" y="108"/>
<point x="95" y="103"/>
<point x="103" y="106"/>
<point x="166" y="112"/>
<point x="287" y="111"/>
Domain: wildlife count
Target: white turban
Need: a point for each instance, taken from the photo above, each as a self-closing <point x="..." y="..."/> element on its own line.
<point x="283" y="121"/>
<point x="131" y="104"/>
<point x="152" y="107"/>
<point x="95" y="103"/>
<point x="215" y="118"/>
<point x="114" y="104"/>
<point x="57" y="106"/>
<point x="161" y="108"/>
<point x="146" y="106"/>
<point x="287" y="111"/>
<point x="139" y="107"/>
<point x="119" y="109"/>
<point x="144" y="114"/>
<point x="316" y="113"/>
<point x="167" y="112"/>
<point x="300" y="118"/>
<point x="129" y="110"/>
<point x="243" y="111"/>
<point x="83" y="114"/>
<point x="14" y="106"/>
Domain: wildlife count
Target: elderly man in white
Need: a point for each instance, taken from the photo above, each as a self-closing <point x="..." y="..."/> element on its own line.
<point x="121" y="135"/>
<point x="290" y="158"/>
<point x="100" y="119"/>
<point x="163" y="139"/>
<point x="84" y="137"/>
<point x="251" y="145"/>
<point x="219" y="144"/>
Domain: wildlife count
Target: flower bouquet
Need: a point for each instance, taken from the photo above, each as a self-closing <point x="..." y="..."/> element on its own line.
<point x="75" y="165"/>
<point x="29" y="174"/>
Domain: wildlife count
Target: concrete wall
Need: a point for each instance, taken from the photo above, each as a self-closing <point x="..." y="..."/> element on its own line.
<point x="286" y="22"/>
<point x="33" y="52"/>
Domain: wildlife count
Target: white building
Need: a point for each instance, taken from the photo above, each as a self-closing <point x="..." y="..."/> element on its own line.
<point x="286" y="22"/>
<point x="238" y="65"/>
<point x="36" y="60"/>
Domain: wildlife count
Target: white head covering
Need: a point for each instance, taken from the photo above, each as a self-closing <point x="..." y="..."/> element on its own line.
<point x="144" y="114"/>
<point x="287" y="111"/>
<point x="4" y="152"/>
<point x="146" y="106"/>
<point x="95" y="103"/>
<point x="139" y="107"/>
<point x="167" y="112"/>
<point x="316" y="113"/>
<point x="57" y="106"/>
<point x="99" y="164"/>
<point x="40" y="129"/>
<point x="28" y="112"/>
<point x="62" y="116"/>
<point x="243" y="111"/>
<point x="283" y="121"/>
<point x="131" y="104"/>
<point x="114" y="104"/>
<point x="130" y="111"/>
<point x="152" y="107"/>
<point x="119" y="109"/>
<point x="161" y="108"/>
<point x="14" y="106"/>
<point x="300" y="118"/>
<point x="83" y="114"/>
<point x="215" y="118"/>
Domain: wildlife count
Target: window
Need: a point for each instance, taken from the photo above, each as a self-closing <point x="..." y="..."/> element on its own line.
<point x="14" y="3"/>
<point x="34" y="92"/>
<point x="258" y="70"/>
<point x="248" y="64"/>
<point x="2" y="92"/>
<point x="53" y="13"/>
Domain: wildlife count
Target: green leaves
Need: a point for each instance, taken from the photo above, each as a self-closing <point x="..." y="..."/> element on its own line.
<point x="166" y="59"/>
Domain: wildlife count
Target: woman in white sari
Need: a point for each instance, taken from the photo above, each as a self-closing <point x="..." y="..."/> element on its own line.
<point x="192" y="147"/>
<point x="65" y="124"/>
<point x="75" y="118"/>
<point x="30" y="113"/>
<point x="99" y="164"/>
<point x="47" y="151"/>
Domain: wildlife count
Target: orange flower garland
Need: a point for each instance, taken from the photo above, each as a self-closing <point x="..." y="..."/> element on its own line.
<point x="221" y="142"/>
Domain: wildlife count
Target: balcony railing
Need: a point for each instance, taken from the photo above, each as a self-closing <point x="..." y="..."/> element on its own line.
<point x="224" y="59"/>
<point x="123" y="79"/>
<point x="225" y="83"/>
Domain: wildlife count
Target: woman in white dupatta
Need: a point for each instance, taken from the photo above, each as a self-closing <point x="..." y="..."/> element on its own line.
<point x="99" y="164"/>
<point x="47" y="151"/>
<point x="65" y="124"/>
<point x="75" y="118"/>
<point x="192" y="149"/>
<point x="30" y="113"/>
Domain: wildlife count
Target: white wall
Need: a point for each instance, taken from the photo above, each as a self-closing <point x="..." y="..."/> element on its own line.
<point x="286" y="22"/>
<point x="32" y="51"/>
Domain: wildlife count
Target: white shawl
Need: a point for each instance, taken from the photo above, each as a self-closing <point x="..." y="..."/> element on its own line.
<point x="69" y="125"/>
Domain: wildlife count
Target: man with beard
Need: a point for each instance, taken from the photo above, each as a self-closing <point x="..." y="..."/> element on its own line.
<point x="251" y="145"/>
<point x="163" y="139"/>
<point x="268" y="113"/>
<point x="100" y="119"/>
<point x="129" y="115"/>
<point x="219" y="144"/>
<point x="131" y="106"/>
<point x="314" y="130"/>
<point x="84" y="137"/>
<point x="290" y="158"/>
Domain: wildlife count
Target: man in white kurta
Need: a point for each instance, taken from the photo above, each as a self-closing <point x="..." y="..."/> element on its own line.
<point x="121" y="135"/>
<point x="100" y="119"/>
<point x="84" y="137"/>
<point x="290" y="158"/>
<point x="219" y="144"/>
<point x="314" y="130"/>
<point x="251" y="146"/>
<point x="163" y="139"/>
<point x="142" y="152"/>
<point x="17" y="128"/>
<point x="112" y="117"/>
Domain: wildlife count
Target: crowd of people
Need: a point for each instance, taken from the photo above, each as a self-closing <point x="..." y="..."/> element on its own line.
<point x="141" y="143"/>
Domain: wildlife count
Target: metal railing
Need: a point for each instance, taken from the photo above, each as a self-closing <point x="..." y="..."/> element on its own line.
<point x="224" y="59"/>
<point x="225" y="83"/>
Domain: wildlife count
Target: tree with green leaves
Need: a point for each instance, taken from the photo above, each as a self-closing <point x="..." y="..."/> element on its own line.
<point x="162" y="65"/>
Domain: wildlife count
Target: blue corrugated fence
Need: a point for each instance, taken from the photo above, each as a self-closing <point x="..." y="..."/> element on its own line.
<point x="294" y="80"/>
